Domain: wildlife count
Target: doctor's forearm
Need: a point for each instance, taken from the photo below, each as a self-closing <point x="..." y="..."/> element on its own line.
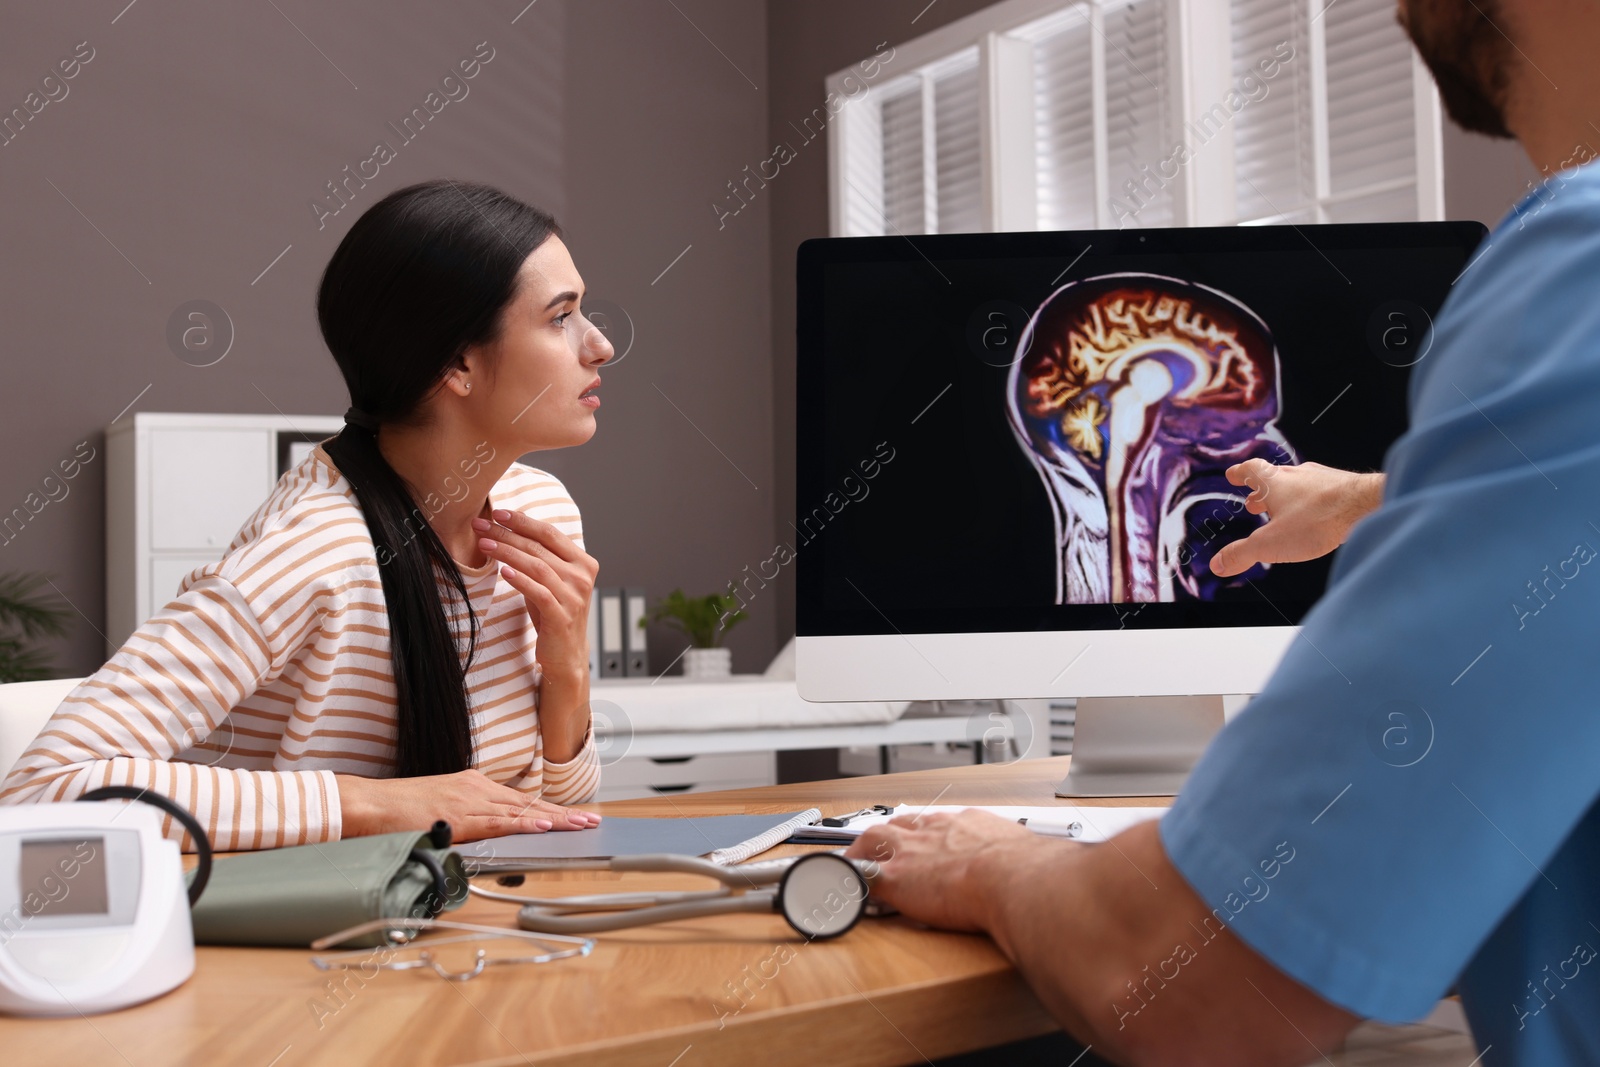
<point x="1032" y="901"/>
<point x="1096" y="930"/>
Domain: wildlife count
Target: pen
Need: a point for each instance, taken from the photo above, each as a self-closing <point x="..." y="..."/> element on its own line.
<point x="844" y="820"/>
<point x="1053" y="829"/>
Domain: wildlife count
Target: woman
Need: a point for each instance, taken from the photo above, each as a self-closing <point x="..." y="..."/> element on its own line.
<point x="399" y="634"/>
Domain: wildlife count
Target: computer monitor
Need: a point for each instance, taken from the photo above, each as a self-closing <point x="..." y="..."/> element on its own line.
<point x="1011" y="457"/>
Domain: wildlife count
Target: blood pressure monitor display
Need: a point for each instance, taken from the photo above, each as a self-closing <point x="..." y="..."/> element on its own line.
<point x="63" y="877"/>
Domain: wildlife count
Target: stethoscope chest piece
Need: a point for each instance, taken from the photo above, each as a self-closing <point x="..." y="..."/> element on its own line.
<point x="822" y="896"/>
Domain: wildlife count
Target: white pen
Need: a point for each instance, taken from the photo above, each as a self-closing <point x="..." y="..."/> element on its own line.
<point x="1053" y="829"/>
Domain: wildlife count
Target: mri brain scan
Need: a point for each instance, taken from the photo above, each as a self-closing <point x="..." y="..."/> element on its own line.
<point x="1132" y="395"/>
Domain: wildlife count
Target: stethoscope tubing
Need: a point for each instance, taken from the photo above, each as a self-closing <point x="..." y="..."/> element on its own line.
<point x="550" y="921"/>
<point x="732" y="878"/>
<point x="604" y="912"/>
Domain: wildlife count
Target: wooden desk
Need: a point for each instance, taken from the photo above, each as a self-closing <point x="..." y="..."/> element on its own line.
<point x="888" y="992"/>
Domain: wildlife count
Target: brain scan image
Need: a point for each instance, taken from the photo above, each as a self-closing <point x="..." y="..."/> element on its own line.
<point x="1132" y="395"/>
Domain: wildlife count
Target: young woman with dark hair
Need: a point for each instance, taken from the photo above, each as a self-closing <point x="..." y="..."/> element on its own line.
<point x="399" y="633"/>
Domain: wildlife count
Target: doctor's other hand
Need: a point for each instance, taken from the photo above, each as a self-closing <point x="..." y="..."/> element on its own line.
<point x="939" y="868"/>
<point x="1310" y="511"/>
<point x="473" y="804"/>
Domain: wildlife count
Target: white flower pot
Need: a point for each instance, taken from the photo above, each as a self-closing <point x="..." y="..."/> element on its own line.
<point x="707" y="663"/>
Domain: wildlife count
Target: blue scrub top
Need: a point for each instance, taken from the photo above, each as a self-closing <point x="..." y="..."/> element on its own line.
<point x="1410" y="804"/>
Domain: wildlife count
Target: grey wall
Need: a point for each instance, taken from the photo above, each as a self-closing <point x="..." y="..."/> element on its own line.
<point x="807" y="41"/>
<point x="1483" y="177"/>
<point x="184" y="156"/>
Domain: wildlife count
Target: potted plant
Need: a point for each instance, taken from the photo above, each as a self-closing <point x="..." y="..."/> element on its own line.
<point x="704" y="619"/>
<point x="27" y="614"/>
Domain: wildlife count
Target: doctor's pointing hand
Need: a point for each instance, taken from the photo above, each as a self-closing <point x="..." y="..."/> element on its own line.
<point x="1310" y="511"/>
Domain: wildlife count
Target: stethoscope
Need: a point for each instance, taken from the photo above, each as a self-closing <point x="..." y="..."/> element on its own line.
<point x="821" y="895"/>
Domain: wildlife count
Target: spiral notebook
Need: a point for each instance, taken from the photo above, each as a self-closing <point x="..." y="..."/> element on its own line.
<point x="720" y="838"/>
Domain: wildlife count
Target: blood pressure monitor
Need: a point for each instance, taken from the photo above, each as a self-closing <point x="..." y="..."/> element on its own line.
<point x="94" y="912"/>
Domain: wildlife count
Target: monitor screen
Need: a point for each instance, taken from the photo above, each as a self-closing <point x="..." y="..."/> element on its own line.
<point x="1029" y="431"/>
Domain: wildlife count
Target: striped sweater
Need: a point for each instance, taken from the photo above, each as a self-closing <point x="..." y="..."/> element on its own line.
<point x="270" y="673"/>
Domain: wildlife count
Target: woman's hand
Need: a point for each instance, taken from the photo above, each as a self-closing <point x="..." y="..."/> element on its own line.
<point x="556" y="579"/>
<point x="474" y="805"/>
<point x="1310" y="510"/>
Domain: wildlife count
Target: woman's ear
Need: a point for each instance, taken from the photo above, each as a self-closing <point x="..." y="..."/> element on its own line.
<point x="459" y="378"/>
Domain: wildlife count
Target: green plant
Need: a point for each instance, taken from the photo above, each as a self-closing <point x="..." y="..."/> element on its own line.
<point x="27" y="614"/>
<point x="703" y="618"/>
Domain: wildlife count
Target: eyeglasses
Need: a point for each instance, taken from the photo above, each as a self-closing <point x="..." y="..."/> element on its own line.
<point x="404" y="953"/>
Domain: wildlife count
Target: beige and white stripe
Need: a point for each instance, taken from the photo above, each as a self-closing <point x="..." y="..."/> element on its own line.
<point x="269" y="674"/>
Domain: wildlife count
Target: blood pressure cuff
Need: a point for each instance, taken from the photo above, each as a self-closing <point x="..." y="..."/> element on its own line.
<point x="292" y="896"/>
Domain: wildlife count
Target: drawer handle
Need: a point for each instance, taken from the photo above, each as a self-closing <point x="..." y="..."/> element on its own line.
<point x="672" y="788"/>
<point x="670" y="759"/>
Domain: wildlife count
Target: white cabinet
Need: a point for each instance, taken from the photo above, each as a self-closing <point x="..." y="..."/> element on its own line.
<point x="178" y="487"/>
<point x="632" y="777"/>
<point x="166" y="574"/>
<point x="204" y="484"/>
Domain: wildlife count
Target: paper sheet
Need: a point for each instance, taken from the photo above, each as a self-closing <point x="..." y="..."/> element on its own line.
<point x="1099" y="822"/>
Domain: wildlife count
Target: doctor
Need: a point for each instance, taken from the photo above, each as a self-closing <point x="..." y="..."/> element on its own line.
<point x="1409" y="806"/>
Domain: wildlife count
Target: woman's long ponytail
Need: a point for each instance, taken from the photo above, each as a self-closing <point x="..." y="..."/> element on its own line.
<point x="422" y="276"/>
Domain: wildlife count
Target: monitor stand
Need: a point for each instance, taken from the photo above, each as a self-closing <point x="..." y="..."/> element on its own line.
<point x="1138" y="746"/>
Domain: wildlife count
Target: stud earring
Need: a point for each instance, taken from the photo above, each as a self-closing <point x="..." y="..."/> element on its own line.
<point x="468" y="387"/>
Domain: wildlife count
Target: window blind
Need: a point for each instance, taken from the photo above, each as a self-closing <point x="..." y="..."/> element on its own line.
<point x="1332" y="136"/>
<point x="1274" y="155"/>
<point x="932" y="161"/>
<point x="1368" y="145"/>
<point x="957" y="151"/>
<point x="1139" y="127"/>
<point x="1063" y="101"/>
<point x="1372" y="145"/>
<point x="902" y="161"/>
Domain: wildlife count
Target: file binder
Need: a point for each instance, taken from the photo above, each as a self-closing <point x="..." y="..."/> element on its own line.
<point x="636" y="659"/>
<point x="594" y="633"/>
<point x="611" y="622"/>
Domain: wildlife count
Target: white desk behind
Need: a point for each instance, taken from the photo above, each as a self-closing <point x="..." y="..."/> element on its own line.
<point x="679" y="735"/>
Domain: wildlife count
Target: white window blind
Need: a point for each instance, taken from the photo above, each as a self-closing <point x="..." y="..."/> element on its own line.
<point x="903" y="196"/>
<point x="1103" y="114"/>
<point x="1070" y="115"/>
<point x="1372" y="170"/>
<point x="958" y="164"/>
<point x="1138" y="95"/>
<point x="930" y="164"/>
<point x="1335" y="137"/>
<point x="1274" y="162"/>
<point x="1064" y="122"/>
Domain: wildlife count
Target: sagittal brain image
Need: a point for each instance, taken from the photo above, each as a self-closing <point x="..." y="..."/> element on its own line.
<point x="1132" y="395"/>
